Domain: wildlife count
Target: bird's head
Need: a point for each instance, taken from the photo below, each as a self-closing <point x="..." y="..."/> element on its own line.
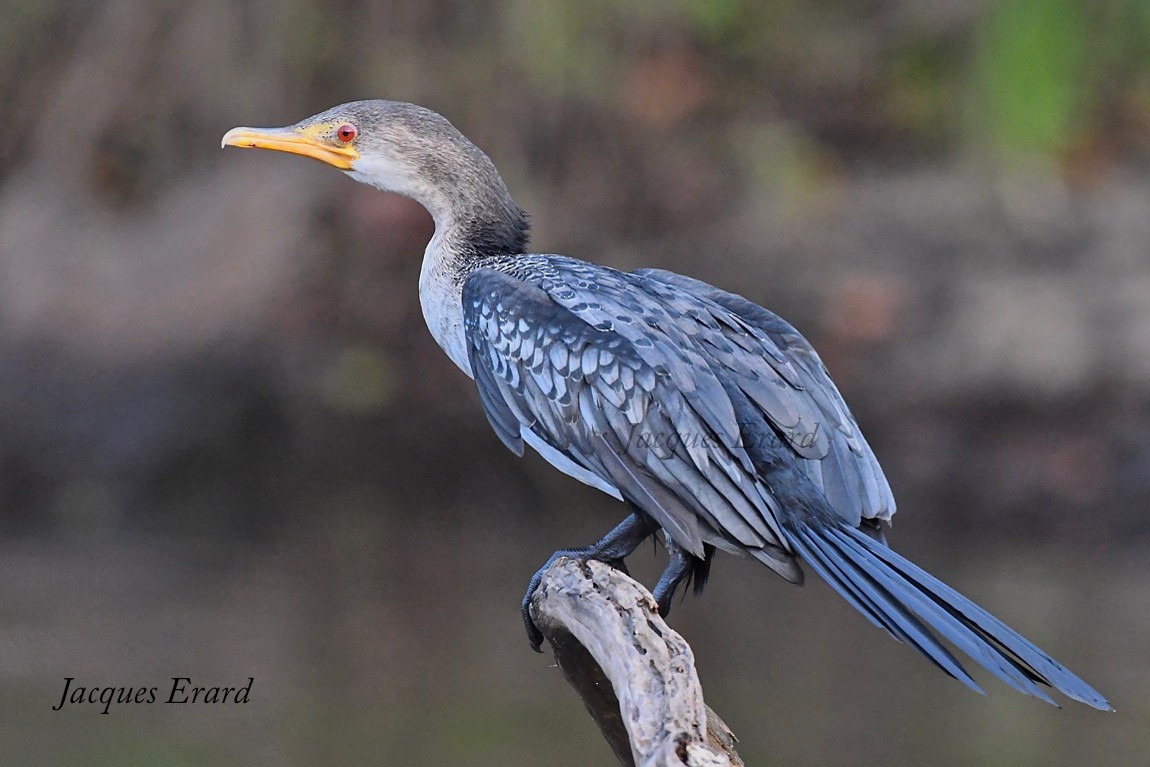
<point x="409" y="150"/>
<point x="391" y="145"/>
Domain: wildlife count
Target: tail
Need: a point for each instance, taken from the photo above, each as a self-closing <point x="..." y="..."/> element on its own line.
<point x="891" y="591"/>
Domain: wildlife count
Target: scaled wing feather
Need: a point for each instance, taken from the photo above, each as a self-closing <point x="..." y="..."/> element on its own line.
<point x="626" y="381"/>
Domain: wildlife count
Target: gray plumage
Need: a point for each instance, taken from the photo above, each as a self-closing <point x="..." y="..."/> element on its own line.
<point x="675" y="396"/>
<point x="717" y="419"/>
<point x="711" y="416"/>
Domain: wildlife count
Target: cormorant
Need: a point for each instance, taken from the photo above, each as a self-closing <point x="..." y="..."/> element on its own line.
<point x="711" y="416"/>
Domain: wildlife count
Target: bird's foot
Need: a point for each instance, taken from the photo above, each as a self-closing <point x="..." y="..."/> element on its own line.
<point x="679" y="566"/>
<point x="534" y="635"/>
<point x="611" y="550"/>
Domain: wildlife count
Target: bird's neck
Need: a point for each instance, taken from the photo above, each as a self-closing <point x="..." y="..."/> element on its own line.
<point x="475" y="219"/>
<point x="466" y="233"/>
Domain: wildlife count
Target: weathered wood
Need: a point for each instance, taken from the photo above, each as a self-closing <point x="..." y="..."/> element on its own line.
<point x="635" y="674"/>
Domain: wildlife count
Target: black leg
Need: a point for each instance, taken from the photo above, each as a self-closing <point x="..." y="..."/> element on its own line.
<point x="681" y="566"/>
<point x="611" y="548"/>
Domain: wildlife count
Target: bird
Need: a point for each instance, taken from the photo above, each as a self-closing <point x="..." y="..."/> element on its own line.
<point x="713" y="418"/>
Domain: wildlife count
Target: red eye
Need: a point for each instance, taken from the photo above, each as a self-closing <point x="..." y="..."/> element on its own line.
<point x="346" y="133"/>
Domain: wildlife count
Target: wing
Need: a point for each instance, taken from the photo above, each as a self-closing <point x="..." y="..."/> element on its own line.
<point x="837" y="457"/>
<point x="602" y="381"/>
<point x="589" y="365"/>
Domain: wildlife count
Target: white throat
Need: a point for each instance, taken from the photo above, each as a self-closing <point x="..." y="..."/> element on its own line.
<point x="440" y="281"/>
<point x="473" y="193"/>
<point x="441" y="297"/>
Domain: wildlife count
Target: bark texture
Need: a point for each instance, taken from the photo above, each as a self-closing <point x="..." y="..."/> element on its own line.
<point x="635" y="674"/>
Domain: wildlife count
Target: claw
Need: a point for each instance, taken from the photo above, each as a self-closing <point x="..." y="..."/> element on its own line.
<point x="681" y="566"/>
<point x="534" y="635"/>
<point x="611" y="549"/>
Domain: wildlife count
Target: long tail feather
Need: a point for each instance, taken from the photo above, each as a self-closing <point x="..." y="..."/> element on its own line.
<point x="900" y="597"/>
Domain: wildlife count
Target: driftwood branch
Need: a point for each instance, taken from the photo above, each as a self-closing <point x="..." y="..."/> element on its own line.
<point x="636" y="675"/>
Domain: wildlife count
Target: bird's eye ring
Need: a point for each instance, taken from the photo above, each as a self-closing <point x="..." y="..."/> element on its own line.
<point x="346" y="133"/>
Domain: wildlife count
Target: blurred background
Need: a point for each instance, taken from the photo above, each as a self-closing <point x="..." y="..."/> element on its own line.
<point x="229" y="447"/>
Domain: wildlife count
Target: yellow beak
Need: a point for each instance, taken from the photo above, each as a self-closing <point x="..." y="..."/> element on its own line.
<point x="306" y="142"/>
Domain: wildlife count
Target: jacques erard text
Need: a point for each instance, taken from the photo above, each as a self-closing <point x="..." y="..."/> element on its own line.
<point x="181" y="691"/>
